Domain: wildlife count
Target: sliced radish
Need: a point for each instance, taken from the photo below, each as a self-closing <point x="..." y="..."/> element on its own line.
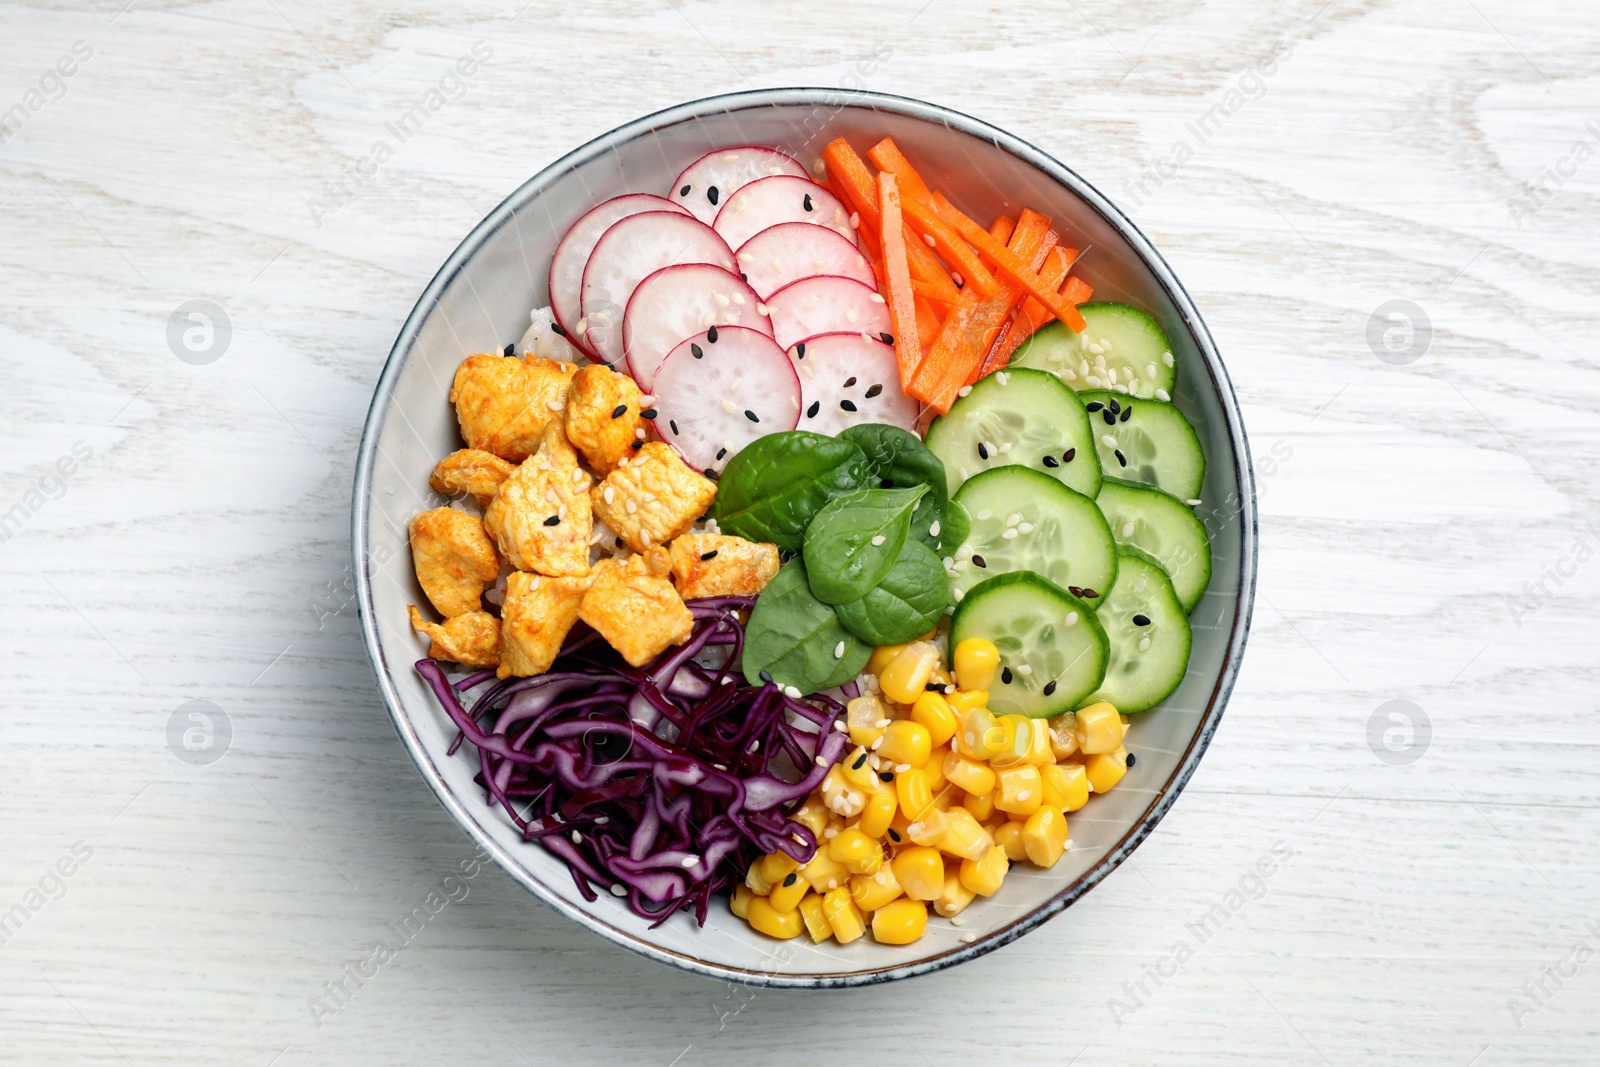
<point x="710" y="180"/>
<point x="826" y="305"/>
<point x="680" y="301"/>
<point x="790" y="251"/>
<point x="628" y="253"/>
<point x="566" y="266"/>
<point x="783" y="198"/>
<point x="849" y="378"/>
<point x="722" y="389"/>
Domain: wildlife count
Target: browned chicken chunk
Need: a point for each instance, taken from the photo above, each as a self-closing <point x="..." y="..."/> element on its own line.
<point x="471" y="470"/>
<point x="635" y="608"/>
<point x="538" y="613"/>
<point x="652" y="497"/>
<point x="471" y="639"/>
<point x="706" y="564"/>
<point x="503" y="405"/>
<point x="603" y="417"/>
<point x="455" y="559"/>
<point x="541" y="516"/>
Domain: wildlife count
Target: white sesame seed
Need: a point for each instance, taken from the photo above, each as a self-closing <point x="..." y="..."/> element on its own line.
<point x="874" y="746"/>
<point x="1092" y="381"/>
<point x="1111" y="442"/>
<point x="1144" y="644"/>
<point x="1163" y="396"/>
<point x="1013" y="518"/>
<point x="956" y="278"/>
<point x="959" y="594"/>
<point x="855" y="220"/>
<point x="582" y="327"/>
<point x="881" y="723"/>
<point x="1071" y="619"/>
<point x="554" y="405"/>
<point x="851" y="314"/>
<point x="638" y="434"/>
<point x="1025" y="669"/>
<point x="969" y="937"/>
<point x="602" y="820"/>
<point x="561" y="512"/>
<point x="965" y="390"/>
<point x="630" y="506"/>
<point x="820" y="762"/>
<point x="876" y="298"/>
<point x="644" y="538"/>
<point x="691" y="861"/>
<point x="617" y="890"/>
<point x="1068" y="374"/>
<point x="984" y="514"/>
<point x="577" y="838"/>
<point x="809" y="370"/>
<point x="729" y="406"/>
<point x="1166" y="357"/>
<point x="933" y="531"/>
<point x="1149" y="370"/>
<point x="761" y="309"/>
<point x="1193" y="503"/>
<point x="1026" y="528"/>
<point x="1009" y="535"/>
<point x="746" y="258"/>
<point x="720" y="299"/>
<point x="1127" y="529"/>
<point x="1003" y="377"/>
<point x="928" y="237"/>
<point x="809" y="304"/>
<point x="1096" y="348"/>
<point x="838" y="725"/>
<point x="609" y="494"/>
<point x="878" y="541"/>
<point x="838" y="652"/>
<point x="956" y="920"/>
<point x="792" y="692"/>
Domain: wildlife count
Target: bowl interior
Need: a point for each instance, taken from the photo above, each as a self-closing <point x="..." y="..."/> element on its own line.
<point x="480" y="302"/>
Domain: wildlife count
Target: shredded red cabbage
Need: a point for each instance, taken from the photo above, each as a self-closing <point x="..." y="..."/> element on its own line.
<point x="661" y="784"/>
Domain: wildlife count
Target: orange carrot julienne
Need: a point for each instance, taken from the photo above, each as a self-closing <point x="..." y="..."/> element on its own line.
<point x="946" y="354"/>
<point x="1032" y="316"/>
<point x="1013" y="269"/>
<point x="918" y="202"/>
<point x="886" y="155"/>
<point x="929" y="319"/>
<point x="1077" y="290"/>
<point x="897" y="277"/>
<point x="1032" y="240"/>
<point x="853" y="183"/>
<point x="1001" y="228"/>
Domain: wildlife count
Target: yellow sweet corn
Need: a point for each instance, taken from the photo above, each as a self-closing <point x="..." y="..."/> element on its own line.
<point x="1019" y="790"/>
<point x="1044" y="836"/>
<point x="788" y="892"/>
<point x="968" y="774"/>
<point x="858" y="773"/>
<point x="1099" y="729"/>
<point x="965" y="837"/>
<point x="878" y="815"/>
<point x="906" y="743"/>
<point x="1039" y="751"/>
<point x="772" y="922"/>
<point x="844" y="918"/>
<point x="920" y="872"/>
<point x="964" y="700"/>
<point x="873" y="891"/>
<point x="824" y="872"/>
<point x="980" y="736"/>
<point x="1064" y="735"/>
<point x="906" y="676"/>
<point x="816" y="922"/>
<point x="900" y="922"/>
<point x="757" y="881"/>
<point x="739" y="903"/>
<point x="857" y="852"/>
<point x="1106" y="769"/>
<point x="1066" y="786"/>
<point x="930" y="829"/>
<point x="934" y="713"/>
<point x="975" y="661"/>
<point x="777" y="866"/>
<point x="933" y="769"/>
<point x="813" y="814"/>
<point x="881" y="657"/>
<point x="954" y="897"/>
<point x="1009" y="838"/>
<point x="862" y="716"/>
<point x="916" y="798"/>
<point x="947" y="798"/>
<point x="983" y="876"/>
<point x="981" y="806"/>
<point x="1016" y="741"/>
<point x="838" y="795"/>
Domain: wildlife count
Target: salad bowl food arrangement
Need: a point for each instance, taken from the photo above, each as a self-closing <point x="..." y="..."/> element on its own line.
<point x="807" y="539"/>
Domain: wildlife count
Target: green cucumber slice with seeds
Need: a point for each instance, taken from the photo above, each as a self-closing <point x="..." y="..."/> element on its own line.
<point x="1149" y="634"/>
<point x="1024" y="520"/>
<point x="1023" y="418"/>
<point x="1164" y="527"/>
<point x="1147" y="441"/>
<point x="1121" y="348"/>
<point x="1053" y="652"/>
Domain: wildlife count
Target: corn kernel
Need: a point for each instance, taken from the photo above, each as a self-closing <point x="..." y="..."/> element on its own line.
<point x="1019" y="790"/>
<point x="862" y="716"/>
<point x="947" y="798"/>
<point x="975" y="661"/>
<point x="878" y="815"/>
<point x="881" y="657"/>
<point x="968" y="774"/>
<point x="776" y="867"/>
<point x="981" y="806"/>
<point x="920" y="871"/>
<point x="983" y="876"/>
<point x="788" y="891"/>
<point x="1066" y="786"/>
<point x="858" y="773"/>
<point x="1039" y="752"/>
<point x="1044" y="836"/>
<point x="980" y="736"/>
<point x="816" y="922"/>
<point x="964" y="700"/>
<point x="757" y="881"/>
<point x="773" y="922"/>
<point x="905" y="741"/>
<point x="1016" y="741"/>
<point x="813" y="814"/>
<point x="954" y="897"/>
<point x="934" y="713"/>
<point x="824" y="872"/>
<point x="1099" y="729"/>
<point x="906" y="676"/>
<point x="739" y="903"/>
<point x="900" y="922"/>
<point x="938" y="676"/>
<point x="1106" y="770"/>
<point x="911" y="788"/>
<point x="965" y="837"/>
<point x="1064" y="735"/>
<point x="839" y="796"/>
<point x="843" y="916"/>
<point x="933" y="769"/>
<point x="859" y="853"/>
<point x="873" y="891"/>
<point x="930" y="829"/>
<point x="1009" y="838"/>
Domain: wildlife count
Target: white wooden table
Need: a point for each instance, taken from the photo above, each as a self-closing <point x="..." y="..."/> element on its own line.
<point x="192" y="544"/>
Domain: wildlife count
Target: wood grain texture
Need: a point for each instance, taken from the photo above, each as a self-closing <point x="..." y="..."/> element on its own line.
<point x="1409" y="513"/>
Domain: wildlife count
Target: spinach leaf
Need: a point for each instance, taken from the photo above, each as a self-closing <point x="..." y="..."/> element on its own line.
<point x="953" y="530"/>
<point x="855" y="539"/>
<point x="899" y="460"/>
<point x="793" y="636"/>
<point x="903" y="606"/>
<point x="772" y="489"/>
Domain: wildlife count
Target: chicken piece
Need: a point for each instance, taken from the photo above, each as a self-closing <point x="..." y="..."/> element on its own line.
<point x="455" y="559"/>
<point x="503" y="405"/>
<point x="652" y="497"/>
<point x="541" y="517"/>
<point x="538" y="613"/>
<point x="635" y="608"/>
<point x="471" y="639"/>
<point x="471" y="470"/>
<point x="719" y="565"/>
<point x="603" y="416"/>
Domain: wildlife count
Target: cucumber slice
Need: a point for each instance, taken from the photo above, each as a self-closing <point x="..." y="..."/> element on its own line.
<point x="1134" y="356"/>
<point x="1158" y="523"/>
<point x="1057" y="533"/>
<point x="1157" y="444"/>
<point x="1017" y="418"/>
<point x="1140" y="675"/>
<point x="1052" y="649"/>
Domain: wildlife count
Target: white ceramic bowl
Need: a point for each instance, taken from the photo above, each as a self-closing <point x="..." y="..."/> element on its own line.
<point x="479" y="302"/>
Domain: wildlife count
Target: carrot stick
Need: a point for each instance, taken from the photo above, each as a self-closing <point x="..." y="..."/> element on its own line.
<point x="951" y="246"/>
<point x="1010" y="266"/>
<point x="1077" y="290"/>
<point x="929" y="319"/>
<point x="897" y="275"/>
<point x="1032" y="316"/>
<point x="853" y="183"/>
<point x="886" y="155"/>
<point x="1032" y="240"/>
<point x="1001" y="228"/>
<point x="939" y="365"/>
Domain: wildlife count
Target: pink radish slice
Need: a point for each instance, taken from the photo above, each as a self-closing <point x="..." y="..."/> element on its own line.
<point x="722" y="389"/>
<point x="629" y="252"/>
<point x="790" y="251"/>
<point x="566" y="266"/>
<point x="677" y="302"/>
<point x="847" y="378"/>
<point x="710" y="180"/>
<point x="826" y="305"/>
<point x="783" y="198"/>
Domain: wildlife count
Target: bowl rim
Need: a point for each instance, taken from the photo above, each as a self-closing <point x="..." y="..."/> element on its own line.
<point x="1163" y="798"/>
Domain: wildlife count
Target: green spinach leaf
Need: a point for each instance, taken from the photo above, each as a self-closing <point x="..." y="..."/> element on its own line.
<point x="774" y="488"/>
<point x="903" y="606"/>
<point x="794" y="637"/>
<point x="855" y="539"/>
<point x="899" y="460"/>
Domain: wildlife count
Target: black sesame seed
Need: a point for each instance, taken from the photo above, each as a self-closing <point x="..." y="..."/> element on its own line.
<point x="979" y="561"/>
<point x="711" y="194"/>
<point x="636" y="444"/>
<point x="861" y="759"/>
<point x="696" y="351"/>
<point x="808" y="202"/>
<point x="789" y="881"/>
<point x="1089" y="594"/>
<point x="648" y="413"/>
<point x="983" y="453"/>
<point x="684" y="191"/>
<point x="1125" y="413"/>
<point x="811" y="412"/>
<point x="848" y="382"/>
<point x="752" y="416"/>
<point x="1075" y="590"/>
<point x="674" y="424"/>
<point x="1093" y="406"/>
<point x="554" y="520"/>
<point x="721" y="453"/>
<point x="848" y="405"/>
<point x="1111" y="420"/>
<point x="1113" y="405"/>
<point x="709" y="473"/>
<point x="1121" y="459"/>
<point x="619" y="542"/>
<point x="708" y="555"/>
<point x="1141" y="620"/>
<point x="933" y="687"/>
<point x="874" y="391"/>
<point x="1132" y="759"/>
<point x="800" y="350"/>
<point x="886" y="776"/>
<point x="893" y="834"/>
<point x="1051" y="461"/>
<point x="1005" y="675"/>
<point x="558" y="329"/>
<point x="1049" y="687"/>
<point x="1066" y="457"/>
<point x="619" y="411"/>
<point x="888" y="338"/>
<point x="765" y="676"/>
<point x="711" y="335"/>
<point x="511" y="350"/>
<point x="743" y="277"/>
